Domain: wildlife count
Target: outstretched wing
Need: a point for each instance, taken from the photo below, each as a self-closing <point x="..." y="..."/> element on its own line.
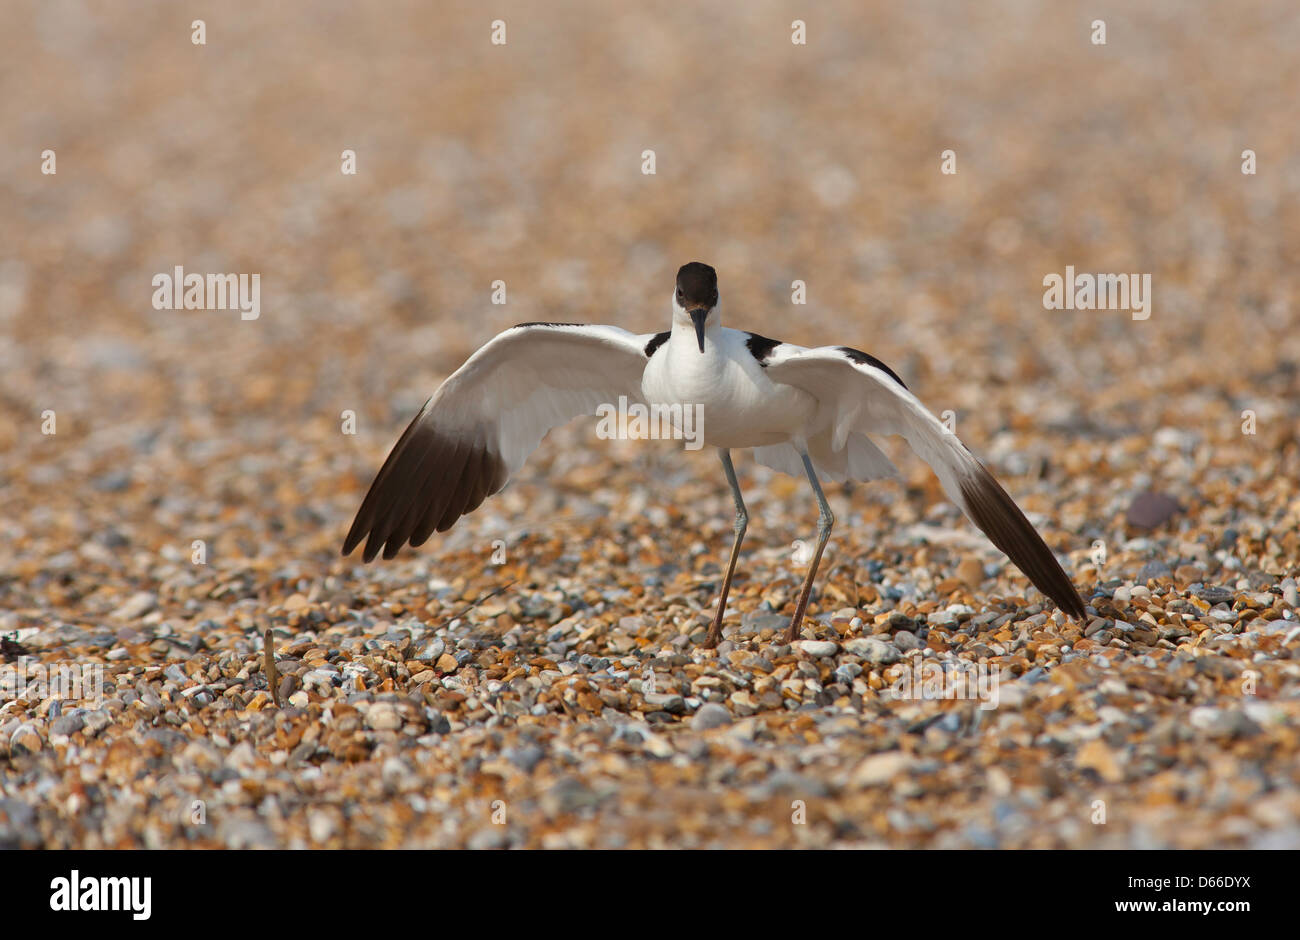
<point x="484" y="421"/>
<point x="860" y="394"/>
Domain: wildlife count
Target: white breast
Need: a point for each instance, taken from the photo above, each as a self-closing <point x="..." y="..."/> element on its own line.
<point x="740" y="406"/>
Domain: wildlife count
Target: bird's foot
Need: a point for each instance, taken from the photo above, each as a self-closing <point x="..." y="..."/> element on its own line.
<point x="714" y="636"/>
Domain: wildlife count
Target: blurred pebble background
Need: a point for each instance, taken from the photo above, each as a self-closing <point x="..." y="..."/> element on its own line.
<point x="522" y="163"/>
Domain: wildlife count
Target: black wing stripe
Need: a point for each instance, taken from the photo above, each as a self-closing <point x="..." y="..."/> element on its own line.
<point x="997" y="514"/>
<point x="866" y="359"/>
<point x="760" y="347"/>
<point x="655" y="342"/>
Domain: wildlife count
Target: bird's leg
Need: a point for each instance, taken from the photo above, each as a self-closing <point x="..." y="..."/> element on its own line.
<point x="825" y="519"/>
<point x="742" y="522"/>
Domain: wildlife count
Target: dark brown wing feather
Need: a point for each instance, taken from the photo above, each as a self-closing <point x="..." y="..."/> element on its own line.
<point x="429" y="480"/>
<point x="1000" y="518"/>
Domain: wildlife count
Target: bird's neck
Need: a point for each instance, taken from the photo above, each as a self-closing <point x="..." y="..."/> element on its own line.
<point x="684" y="341"/>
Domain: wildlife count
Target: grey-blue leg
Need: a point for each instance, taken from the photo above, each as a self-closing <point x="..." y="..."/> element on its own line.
<point x="825" y="520"/>
<point x="742" y="523"/>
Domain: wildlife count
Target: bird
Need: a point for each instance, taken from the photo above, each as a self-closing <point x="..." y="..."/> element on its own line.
<point x="808" y="411"/>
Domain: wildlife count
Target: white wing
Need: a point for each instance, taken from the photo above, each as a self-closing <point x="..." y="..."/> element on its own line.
<point x="859" y="394"/>
<point x="484" y="421"/>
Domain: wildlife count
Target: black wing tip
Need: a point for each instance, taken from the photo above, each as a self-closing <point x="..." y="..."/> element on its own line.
<point x="858" y="357"/>
<point x="428" y="481"/>
<point x="998" y="516"/>
<point x="1071" y="603"/>
<point x="355" y="534"/>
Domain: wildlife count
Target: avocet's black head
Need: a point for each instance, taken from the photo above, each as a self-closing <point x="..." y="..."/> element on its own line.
<point x="697" y="294"/>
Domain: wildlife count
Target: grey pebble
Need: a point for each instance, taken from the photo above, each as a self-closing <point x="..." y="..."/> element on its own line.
<point x="907" y="641"/>
<point x="755" y="622"/>
<point x="287" y="684"/>
<point x="1290" y="596"/>
<point x="847" y="672"/>
<point x="1153" y="569"/>
<point x="709" y="716"/>
<point x="787" y="781"/>
<point x="525" y="758"/>
<point x="432" y="650"/>
<point x="96" y="721"/>
<point x="302" y="753"/>
<point x="68" y="724"/>
<point x="817" y="648"/>
<point x="1149" y="510"/>
<point x="873" y="650"/>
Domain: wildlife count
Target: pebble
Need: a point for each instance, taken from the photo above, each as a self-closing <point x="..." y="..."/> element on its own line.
<point x="671" y="703"/>
<point x="880" y="769"/>
<point x="506" y="659"/>
<point x="286" y="687"/>
<point x="970" y="572"/>
<point x="1149" y="510"/>
<point x="752" y="624"/>
<point x="139" y="604"/>
<point x="383" y="717"/>
<point x="322" y="825"/>
<point x="1154" y="569"/>
<point x="906" y="641"/>
<point x="1096" y="755"/>
<point x="873" y="651"/>
<point x="95" y="721"/>
<point x="847" y="672"/>
<point x="817" y="648"/>
<point x="526" y="758"/>
<point x="67" y="725"/>
<point x="709" y="716"/>
<point x="26" y="738"/>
